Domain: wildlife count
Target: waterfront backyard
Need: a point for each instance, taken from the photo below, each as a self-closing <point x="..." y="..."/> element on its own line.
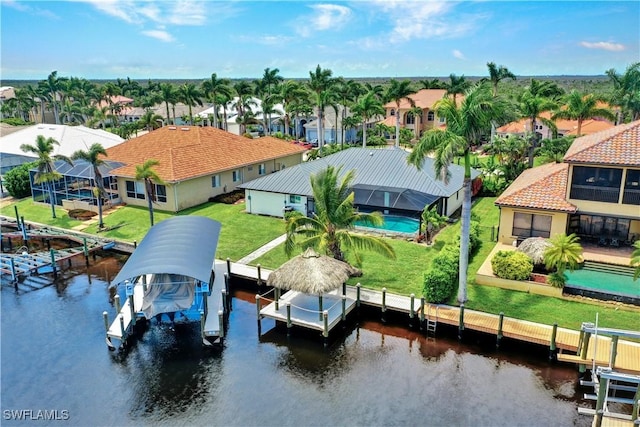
<point x="243" y="233"/>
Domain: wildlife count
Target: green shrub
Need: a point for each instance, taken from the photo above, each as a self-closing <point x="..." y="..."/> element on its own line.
<point x="16" y="121"/>
<point x="441" y="280"/>
<point x="278" y="135"/>
<point x="512" y="265"/>
<point x="247" y="135"/>
<point x="557" y="279"/>
<point x="474" y="237"/>
<point x="16" y="181"/>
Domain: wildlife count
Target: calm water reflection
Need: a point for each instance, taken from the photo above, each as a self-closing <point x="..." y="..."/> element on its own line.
<point x="54" y="357"/>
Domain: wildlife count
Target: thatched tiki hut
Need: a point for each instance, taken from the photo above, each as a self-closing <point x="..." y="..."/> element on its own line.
<point x="311" y="273"/>
<point x="535" y="248"/>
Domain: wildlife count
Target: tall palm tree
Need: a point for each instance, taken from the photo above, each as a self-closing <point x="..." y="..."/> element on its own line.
<point x="289" y="93"/>
<point x="626" y="91"/>
<point x="465" y="124"/>
<point x="150" y="121"/>
<point x="330" y="230"/>
<point x="321" y="85"/>
<point x="52" y="85"/>
<point x="635" y="260"/>
<point x="531" y="104"/>
<point x="270" y="80"/>
<point x="169" y="95"/>
<point x="583" y="107"/>
<point x="367" y="107"/>
<point x="243" y="102"/>
<point x="432" y="84"/>
<point x="457" y="86"/>
<point x="146" y="173"/>
<point x="92" y="156"/>
<point x="214" y="87"/>
<point x="47" y="172"/>
<point x="498" y="73"/>
<point x="396" y="92"/>
<point x="189" y="94"/>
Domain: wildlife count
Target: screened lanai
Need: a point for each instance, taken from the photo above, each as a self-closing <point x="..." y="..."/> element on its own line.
<point x="77" y="183"/>
<point x="392" y="199"/>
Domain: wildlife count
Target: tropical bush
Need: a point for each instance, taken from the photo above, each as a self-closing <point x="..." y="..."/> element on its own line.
<point x="441" y="280"/>
<point x="247" y="135"/>
<point x="557" y="279"/>
<point x="16" y="181"/>
<point x="16" y="121"/>
<point x="474" y="237"/>
<point x="512" y="265"/>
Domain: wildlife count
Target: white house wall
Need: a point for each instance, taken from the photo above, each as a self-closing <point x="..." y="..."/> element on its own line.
<point x="454" y="202"/>
<point x="272" y="204"/>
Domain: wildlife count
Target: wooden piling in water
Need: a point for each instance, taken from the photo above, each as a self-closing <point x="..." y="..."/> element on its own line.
<point x="105" y="317"/>
<point x="461" y="322"/>
<point x="122" y="331"/>
<point x="53" y="263"/>
<point x="116" y="302"/>
<point x="276" y="298"/>
<point x="221" y="323"/>
<point x="499" y="335"/>
<point x="229" y="266"/>
<point x="289" y="324"/>
<point x="225" y="297"/>
<point x="358" y="289"/>
<point x="259" y="267"/>
<point x="258" y="312"/>
<point x="14" y="277"/>
<point x="422" y="301"/>
<point x="553" y="355"/>
<point x="320" y="310"/>
<point x="325" y="318"/>
<point x="344" y="307"/>
<point x="133" y="310"/>
<point x="85" y="250"/>
<point x="384" y="304"/>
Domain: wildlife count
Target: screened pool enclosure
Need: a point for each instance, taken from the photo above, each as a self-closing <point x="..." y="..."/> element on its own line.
<point x="76" y="187"/>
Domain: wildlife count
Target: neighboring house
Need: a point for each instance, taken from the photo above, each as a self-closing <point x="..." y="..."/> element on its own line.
<point x="564" y="127"/>
<point x="232" y="115"/>
<point x="197" y="163"/>
<point x="133" y="114"/>
<point x="71" y="139"/>
<point x="331" y="127"/>
<point x="424" y="99"/>
<point x="594" y="193"/>
<point x="402" y="189"/>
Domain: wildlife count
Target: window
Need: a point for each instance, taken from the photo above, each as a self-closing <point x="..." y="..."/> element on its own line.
<point x="392" y="112"/>
<point x="632" y="188"/>
<point x="262" y="169"/>
<point x="530" y="225"/>
<point x="411" y="119"/>
<point x="430" y="116"/>
<point x="215" y="181"/>
<point x="161" y="193"/>
<point x="596" y="184"/>
<point x="249" y="168"/>
<point x="441" y="119"/>
<point x="135" y="190"/>
<point x="295" y="199"/>
<point x="237" y="175"/>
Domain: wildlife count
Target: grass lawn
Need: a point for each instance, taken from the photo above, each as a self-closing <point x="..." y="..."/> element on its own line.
<point x="243" y="233"/>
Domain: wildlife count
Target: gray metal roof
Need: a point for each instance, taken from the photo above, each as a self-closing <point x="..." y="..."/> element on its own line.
<point x="380" y="167"/>
<point x="182" y="245"/>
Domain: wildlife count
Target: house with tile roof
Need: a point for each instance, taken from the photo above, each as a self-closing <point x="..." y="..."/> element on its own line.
<point x="197" y="163"/>
<point x="564" y="127"/>
<point x="384" y="181"/>
<point x="424" y="99"/>
<point x="594" y="192"/>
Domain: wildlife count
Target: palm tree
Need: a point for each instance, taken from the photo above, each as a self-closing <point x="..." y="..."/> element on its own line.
<point x="635" y="260"/>
<point x="583" y="107"/>
<point x="330" y="230"/>
<point x="432" y="84"/>
<point x="465" y="124"/>
<point x="270" y="80"/>
<point x="457" y="86"/>
<point x="52" y="85"/>
<point x="367" y="107"/>
<point x="289" y="93"/>
<point x="432" y="220"/>
<point x="214" y="87"/>
<point x="150" y="121"/>
<point x="47" y="172"/>
<point x="92" y="156"/>
<point x="531" y="104"/>
<point x="498" y="73"/>
<point x="145" y="172"/>
<point x="626" y="91"/>
<point x="321" y="84"/>
<point x="396" y="92"/>
<point x="169" y="95"/>
<point x="190" y="95"/>
<point x="564" y="252"/>
<point x="416" y="112"/>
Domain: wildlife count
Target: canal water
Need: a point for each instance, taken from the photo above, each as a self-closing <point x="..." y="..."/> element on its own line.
<point x="54" y="359"/>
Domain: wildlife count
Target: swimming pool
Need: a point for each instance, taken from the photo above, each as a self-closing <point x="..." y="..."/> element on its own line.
<point x="395" y="223"/>
<point x="603" y="285"/>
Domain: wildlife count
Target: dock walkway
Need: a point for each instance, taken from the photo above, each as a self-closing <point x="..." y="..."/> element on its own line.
<point x="566" y="340"/>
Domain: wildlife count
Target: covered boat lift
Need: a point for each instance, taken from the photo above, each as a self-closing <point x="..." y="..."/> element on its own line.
<point x="172" y="273"/>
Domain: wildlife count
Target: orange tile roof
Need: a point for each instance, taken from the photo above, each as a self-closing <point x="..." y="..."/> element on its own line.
<point x="565" y="127"/>
<point x="186" y="152"/>
<point x="424" y="98"/>
<point x="619" y="145"/>
<point x="543" y="187"/>
<point x="389" y="121"/>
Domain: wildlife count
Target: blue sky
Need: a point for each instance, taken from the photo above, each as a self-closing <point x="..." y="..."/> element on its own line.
<point x="192" y="39"/>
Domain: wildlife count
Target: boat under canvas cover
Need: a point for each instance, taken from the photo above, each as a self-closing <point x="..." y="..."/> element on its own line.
<point x="167" y="293"/>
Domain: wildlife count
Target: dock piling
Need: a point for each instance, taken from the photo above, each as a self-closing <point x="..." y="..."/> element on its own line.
<point x="499" y="335"/>
<point x="228" y="266"/>
<point x="320" y="306"/>
<point x="553" y="355"/>
<point x="276" y="298"/>
<point x="614" y="351"/>
<point x="461" y="322"/>
<point x="105" y="317"/>
<point x="85" y="250"/>
<point x="384" y="304"/>
<point x="221" y="323"/>
<point x="259" y="275"/>
<point x="116" y="303"/>
<point x="122" y="331"/>
<point x="422" y="301"/>
<point x="15" y="207"/>
<point x="258" y="312"/>
<point x="225" y="297"/>
<point x="53" y="263"/>
<point x="133" y="310"/>
<point x="289" y="324"/>
<point x="14" y="277"/>
<point x="358" y="289"/>
<point x="344" y="307"/>
<point x="325" y="318"/>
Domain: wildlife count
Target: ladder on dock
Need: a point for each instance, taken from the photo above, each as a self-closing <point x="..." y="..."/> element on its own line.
<point x="432" y="321"/>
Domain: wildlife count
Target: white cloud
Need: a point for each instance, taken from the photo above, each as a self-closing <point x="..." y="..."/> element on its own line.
<point x="159" y="34"/>
<point x="614" y="47"/>
<point x="323" y="18"/>
<point x="457" y="54"/>
<point x="22" y="7"/>
<point x="181" y="12"/>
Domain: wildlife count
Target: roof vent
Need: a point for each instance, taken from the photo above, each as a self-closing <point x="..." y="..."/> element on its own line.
<point x="172" y="128"/>
<point x="184" y="128"/>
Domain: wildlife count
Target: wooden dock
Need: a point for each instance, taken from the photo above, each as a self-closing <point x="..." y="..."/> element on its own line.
<point x="566" y="340"/>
